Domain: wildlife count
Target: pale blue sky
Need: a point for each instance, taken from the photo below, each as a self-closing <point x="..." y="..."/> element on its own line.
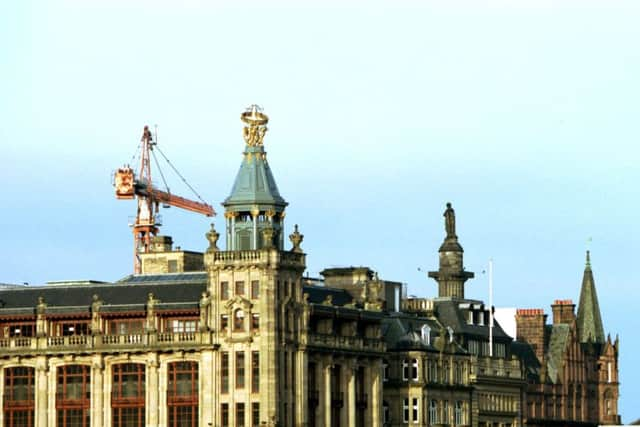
<point x="523" y="114"/>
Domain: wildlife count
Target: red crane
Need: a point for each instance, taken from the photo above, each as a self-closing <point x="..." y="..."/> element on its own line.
<point x="129" y="186"/>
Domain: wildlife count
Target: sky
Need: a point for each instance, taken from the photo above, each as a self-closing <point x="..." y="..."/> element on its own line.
<point x="521" y="114"/>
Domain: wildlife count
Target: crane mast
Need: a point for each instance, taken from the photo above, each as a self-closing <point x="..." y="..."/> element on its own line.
<point x="147" y="221"/>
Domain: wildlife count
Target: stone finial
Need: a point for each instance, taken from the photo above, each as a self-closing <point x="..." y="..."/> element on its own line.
<point x="212" y="236"/>
<point x="296" y="239"/>
<point x="450" y="222"/>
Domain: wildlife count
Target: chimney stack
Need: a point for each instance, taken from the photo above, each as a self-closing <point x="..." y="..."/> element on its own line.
<point x="563" y="311"/>
<point x="530" y="324"/>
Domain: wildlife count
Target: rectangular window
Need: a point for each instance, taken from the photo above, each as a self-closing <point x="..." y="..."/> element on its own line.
<point x="405" y="370"/>
<point x="19" y="397"/>
<point x="405" y="411"/>
<point x="224" y="290"/>
<point x="125" y="326"/>
<point x="474" y="347"/>
<point x="255" y="371"/>
<point x="128" y="395"/>
<point x="67" y="328"/>
<point x="239" y="369"/>
<point x="255" y="289"/>
<point x="445" y="373"/>
<point x="239" y="287"/>
<point x="433" y="412"/>
<point x="73" y="396"/>
<point x="255" y="414"/>
<point x="255" y="322"/>
<point x="385" y="370"/>
<point x="414" y="410"/>
<point x="224" y="415"/>
<point x="414" y="369"/>
<point x="445" y="412"/>
<point x="18" y="329"/>
<point x="180" y="326"/>
<point x="239" y="414"/>
<point x="458" y="413"/>
<point x="224" y="323"/>
<point x="224" y="372"/>
<point x="182" y="394"/>
<point x="433" y="371"/>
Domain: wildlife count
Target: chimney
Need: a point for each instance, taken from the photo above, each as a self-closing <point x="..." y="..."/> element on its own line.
<point x="161" y="244"/>
<point x="563" y="311"/>
<point x="530" y="324"/>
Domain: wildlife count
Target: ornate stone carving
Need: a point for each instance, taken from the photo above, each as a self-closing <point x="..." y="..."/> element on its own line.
<point x="41" y="322"/>
<point x="212" y="236"/>
<point x="151" y="312"/>
<point x="96" y="304"/>
<point x="205" y="301"/>
<point x="257" y="120"/>
<point x="296" y="239"/>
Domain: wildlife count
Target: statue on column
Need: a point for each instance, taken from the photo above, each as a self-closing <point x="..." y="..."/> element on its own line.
<point x="450" y="222"/>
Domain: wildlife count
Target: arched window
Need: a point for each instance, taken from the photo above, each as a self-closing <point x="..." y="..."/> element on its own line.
<point x="73" y="396"/>
<point x="238" y="320"/>
<point x="128" y="395"/>
<point x="458" y="413"/>
<point x="433" y="412"/>
<point x="182" y="394"/>
<point x="19" y="396"/>
<point x="426" y="334"/>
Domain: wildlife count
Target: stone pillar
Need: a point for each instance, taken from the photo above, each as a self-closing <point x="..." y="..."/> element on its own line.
<point x="233" y="233"/>
<point x="42" y="395"/>
<point x="327" y="370"/>
<point x="97" y="392"/>
<point x="368" y="381"/>
<point x="254" y="236"/>
<point x="207" y="380"/>
<point x="152" y="392"/>
<point x="301" y="388"/>
<point x="350" y="392"/>
<point x="375" y="403"/>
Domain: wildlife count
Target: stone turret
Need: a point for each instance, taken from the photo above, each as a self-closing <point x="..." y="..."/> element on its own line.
<point x="254" y="210"/>
<point x="451" y="275"/>
<point x="589" y="321"/>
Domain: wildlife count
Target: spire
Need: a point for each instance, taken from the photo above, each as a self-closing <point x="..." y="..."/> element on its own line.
<point x="589" y="320"/>
<point x="255" y="202"/>
<point x="451" y="275"/>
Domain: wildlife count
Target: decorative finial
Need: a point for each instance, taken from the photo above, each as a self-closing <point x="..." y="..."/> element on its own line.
<point x="450" y="222"/>
<point x="257" y="120"/>
<point x="296" y="238"/>
<point x="588" y="258"/>
<point x="212" y="236"/>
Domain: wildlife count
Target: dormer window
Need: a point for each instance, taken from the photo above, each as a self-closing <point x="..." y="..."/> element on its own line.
<point x="470" y="318"/>
<point x="481" y="318"/>
<point x="426" y="334"/>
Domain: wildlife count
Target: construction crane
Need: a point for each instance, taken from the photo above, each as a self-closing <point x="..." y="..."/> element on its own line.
<point x="129" y="186"/>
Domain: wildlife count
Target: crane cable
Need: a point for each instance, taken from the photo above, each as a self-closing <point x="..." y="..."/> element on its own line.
<point x="178" y="173"/>
<point x="160" y="170"/>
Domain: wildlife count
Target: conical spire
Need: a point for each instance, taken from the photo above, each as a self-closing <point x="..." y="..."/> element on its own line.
<point x="589" y="320"/>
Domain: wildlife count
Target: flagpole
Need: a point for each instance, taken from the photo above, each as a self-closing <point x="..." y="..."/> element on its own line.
<point x="490" y="307"/>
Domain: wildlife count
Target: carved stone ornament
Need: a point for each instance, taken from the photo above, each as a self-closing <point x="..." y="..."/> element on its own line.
<point x="267" y="237"/>
<point x="296" y="239"/>
<point x="450" y="221"/>
<point x="256" y="120"/>
<point x="212" y="236"/>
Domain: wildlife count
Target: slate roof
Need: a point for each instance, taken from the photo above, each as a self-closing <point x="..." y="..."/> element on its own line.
<point x="318" y="294"/>
<point x="450" y="314"/>
<point x="183" y="290"/>
<point x="403" y="332"/>
<point x="588" y="320"/>
<point x="254" y="184"/>
<point x="524" y="352"/>
<point x="558" y="339"/>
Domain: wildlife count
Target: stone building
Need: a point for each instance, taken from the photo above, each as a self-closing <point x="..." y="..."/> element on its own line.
<point x="240" y="337"/>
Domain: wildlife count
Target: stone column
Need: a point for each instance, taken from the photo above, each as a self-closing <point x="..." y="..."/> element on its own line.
<point x="233" y="233"/>
<point x="375" y="403"/>
<point x="368" y="381"/>
<point x="301" y="388"/>
<point x="327" y="370"/>
<point x="254" y="237"/>
<point x="349" y="387"/>
<point x="97" y="392"/>
<point x="42" y="395"/>
<point x="152" y="392"/>
<point x="206" y="388"/>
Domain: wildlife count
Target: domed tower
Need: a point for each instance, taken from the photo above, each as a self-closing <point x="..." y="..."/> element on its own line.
<point x="451" y="275"/>
<point x="254" y="210"/>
